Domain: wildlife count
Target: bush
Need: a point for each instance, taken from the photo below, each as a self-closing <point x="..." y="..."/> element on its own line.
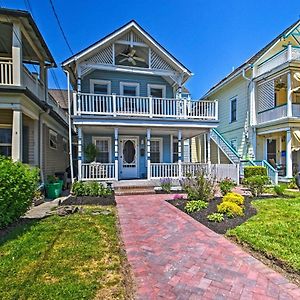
<point x="195" y="205"/>
<point x="200" y="187"/>
<point x="215" y="217"/>
<point x="18" y="183"/>
<point x="256" y="184"/>
<point x="230" y="209"/>
<point x="166" y="184"/>
<point x="250" y="171"/>
<point x="226" y="185"/>
<point x="92" y="188"/>
<point x="292" y="184"/>
<point x="279" y="189"/>
<point x="234" y="198"/>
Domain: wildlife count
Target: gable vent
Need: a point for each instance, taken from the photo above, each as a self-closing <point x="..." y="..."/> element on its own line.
<point x="158" y="63"/>
<point x="266" y="96"/>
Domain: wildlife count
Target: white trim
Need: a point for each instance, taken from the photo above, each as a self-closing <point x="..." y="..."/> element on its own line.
<point x="98" y="81"/>
<point x="134" y="84"/>
<point x="160" y="140"/>
<point x="104" y="138"/>
<point x="157" y="86"/>
<point x="236" y="106"/>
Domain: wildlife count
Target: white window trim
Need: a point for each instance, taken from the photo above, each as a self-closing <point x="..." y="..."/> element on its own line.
<point x="98" y="81"/>
<point x="157" y="86"/>
<point x="135" y="84"/>
<point x="231" y="100"/>
<point x="52" y="132"/>
<point x="104" y="138"/>
<point x="160" y="140"/>
<point x="6" y="126"/>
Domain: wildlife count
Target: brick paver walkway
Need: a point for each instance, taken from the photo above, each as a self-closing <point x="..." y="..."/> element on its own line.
<point x="175" y="257"/>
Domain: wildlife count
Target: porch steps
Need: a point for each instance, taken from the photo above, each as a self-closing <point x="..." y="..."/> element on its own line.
<point x="135" y="187"/>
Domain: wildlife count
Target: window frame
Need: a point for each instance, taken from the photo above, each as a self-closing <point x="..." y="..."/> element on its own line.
<point x="160" y="140"/>
<point x="104" y="138"/>
<point x="157" y="86"/>
<point x="134" y="84"/>
<point x="54" y="133"/>
<point x="100" y="81"/>
<point x="6" y="126"/>
<point x="231" y="101"/>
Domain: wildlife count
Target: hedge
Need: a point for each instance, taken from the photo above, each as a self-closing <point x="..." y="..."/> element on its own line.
<point x="250" y="171"/>
<point x="18" y="182"/>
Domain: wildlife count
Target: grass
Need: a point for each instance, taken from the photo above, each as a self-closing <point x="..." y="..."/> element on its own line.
<point x="275" y="230"/>
<point x="72" y="257"/>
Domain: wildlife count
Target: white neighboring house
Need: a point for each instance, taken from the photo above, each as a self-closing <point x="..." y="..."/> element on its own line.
<point x="33" y="127"/>
<point x="259" y="104"/>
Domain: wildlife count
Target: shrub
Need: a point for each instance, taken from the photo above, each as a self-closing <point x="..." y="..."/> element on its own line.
<point x="230" y="209"/>
<point x="91" y="152"/>
<point x="250" y="171"/>
<point x="92" y="188"/>
<point x="256" y="184"/>
<point x="18" y="183"/>
<point x="195" y="205"/>
<point x="226" y="185"/>
<point x="215" y="217"/>
<point x="200" y="187"/>
<point x="78" y="188"/>
<point x="234" y="198"/>
<point x="177" y="197"/>
<point x="166" y="184"/>
<point x="279" y="189"/>
<point x="292" y="184"/>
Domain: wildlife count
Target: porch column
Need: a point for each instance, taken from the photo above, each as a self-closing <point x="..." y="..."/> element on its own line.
<point x="180" y="153"/>
<point x="17" y="138"/>
<point x="204" y="148"/>
<point x="79" y="152"/>
<point x="289" y="161"/>
<point x="208" y="148"/>
<point x="116" y="130"/>
<point x="289" y="95"/>
<point x="17" y="53"/>
<point x="148" y="153"/>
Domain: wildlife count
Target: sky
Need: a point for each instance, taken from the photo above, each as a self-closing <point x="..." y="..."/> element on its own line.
<point x="209" y="37"/>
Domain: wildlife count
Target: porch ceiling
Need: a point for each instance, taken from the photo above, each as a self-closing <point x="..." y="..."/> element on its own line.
<point x="102" y="130"/>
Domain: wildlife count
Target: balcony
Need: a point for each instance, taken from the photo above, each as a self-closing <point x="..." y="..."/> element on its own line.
<point x="288" y="54"/>
<point x="277" y="113"/>
<point x="118" y="106"/>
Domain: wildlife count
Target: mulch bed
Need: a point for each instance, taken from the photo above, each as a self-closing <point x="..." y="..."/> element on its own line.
<point x="222" y="227"/>
<point x="89" y="200"/>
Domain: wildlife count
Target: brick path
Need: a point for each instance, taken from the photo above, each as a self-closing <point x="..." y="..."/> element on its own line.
<point x="175" y="257"/>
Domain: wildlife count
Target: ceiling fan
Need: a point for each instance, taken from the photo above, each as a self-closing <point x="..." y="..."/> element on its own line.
<point x="130" y="57"/>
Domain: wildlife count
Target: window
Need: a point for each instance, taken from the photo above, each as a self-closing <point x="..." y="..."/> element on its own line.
<point x="175" y="151"/>
<point x="155" y="150"/>
<point x="233" y="144"/>
<point x="5" y="140"/>
<point x="52" y="139"/>
<point x="233" y="104"/>
<point x="102" y="87"/>
<point x="129" y="89"/>
<point x="65" y="145"/>
<point x="104" y="147"/>
<point x="157" y="91"/>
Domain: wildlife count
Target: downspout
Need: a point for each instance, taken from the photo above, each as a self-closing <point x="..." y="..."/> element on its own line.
<point x="70" y="127"/>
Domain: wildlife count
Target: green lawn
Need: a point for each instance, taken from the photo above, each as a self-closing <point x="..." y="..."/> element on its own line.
<point x="275" y="230"/>
<point x="73" y="257"/>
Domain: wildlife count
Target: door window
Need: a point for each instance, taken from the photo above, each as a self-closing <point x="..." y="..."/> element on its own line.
<point x="129" y="152"/>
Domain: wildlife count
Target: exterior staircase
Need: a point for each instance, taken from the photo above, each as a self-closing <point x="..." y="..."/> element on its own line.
<point x="133" y="187"/>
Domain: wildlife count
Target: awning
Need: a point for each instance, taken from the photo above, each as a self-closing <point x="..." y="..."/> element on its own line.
<point x="296" y="140"/>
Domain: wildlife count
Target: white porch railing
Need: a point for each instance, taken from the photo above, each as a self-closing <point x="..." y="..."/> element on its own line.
<point x="116" y="105"/>
<point x="174" y="170"/>
<point x="97" y="171"/>
<point x="6" y="71"/>
<point x="278" y="59"/>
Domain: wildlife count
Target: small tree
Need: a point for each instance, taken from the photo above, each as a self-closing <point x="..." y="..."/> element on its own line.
<point x="256" y="184"/>
<point x="91" y="152"/>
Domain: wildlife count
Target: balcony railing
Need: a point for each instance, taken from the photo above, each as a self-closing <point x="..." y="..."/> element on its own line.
<point x="115" y="105"/>
<point x="277" y="113"/>
<point x="6" y="71"/>
<point x="287" y="54"/>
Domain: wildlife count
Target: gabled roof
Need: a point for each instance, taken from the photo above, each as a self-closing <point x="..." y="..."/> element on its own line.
<point x="119" y="32"/>
<point x="254" y="58"/>
<point x="32" y="29"/>
<point x="60" y="96"/>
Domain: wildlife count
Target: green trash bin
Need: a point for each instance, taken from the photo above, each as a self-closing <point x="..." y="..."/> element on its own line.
<point x="53" y="190"/>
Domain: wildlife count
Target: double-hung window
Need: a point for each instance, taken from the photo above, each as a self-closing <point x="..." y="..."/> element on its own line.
<point x="5" y="140"/>
<point x="129" y="89"/>
<point x="233" y="110"/>
<point x="101" y="87"/>
<point x="156" y="150"/>
<point x="52" y="139"/>
<point x="103" y="145"/>
<point x="157" y="91"/>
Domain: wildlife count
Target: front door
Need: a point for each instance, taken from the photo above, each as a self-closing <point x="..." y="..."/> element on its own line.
<point x="271" y="150"/>
<point x="128" y="162"/>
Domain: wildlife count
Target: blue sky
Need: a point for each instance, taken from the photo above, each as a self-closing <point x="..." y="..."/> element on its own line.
<point x="208" y="37"/>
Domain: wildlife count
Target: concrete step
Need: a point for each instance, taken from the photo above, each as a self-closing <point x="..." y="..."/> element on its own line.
<point x="134" y="190"/>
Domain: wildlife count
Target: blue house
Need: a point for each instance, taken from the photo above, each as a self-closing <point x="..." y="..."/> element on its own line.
<point x="129" y="102"/>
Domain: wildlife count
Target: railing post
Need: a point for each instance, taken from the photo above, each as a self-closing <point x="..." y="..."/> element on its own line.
<point x="148" y="153"/>
<point x="151" y="106"/>
<point x="75" y="104"/>
<point x="79" y="152"/>
<point x="114" y="99"/>
<point x="216" y="109"/>
<point x="116" y="131"/>
<point x="185" y="108"/>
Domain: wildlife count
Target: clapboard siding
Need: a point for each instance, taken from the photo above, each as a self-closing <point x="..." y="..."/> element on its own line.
<point x="6" y="116"/>
<point x="117" y="77"/>
<point x="31" y="142"/>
